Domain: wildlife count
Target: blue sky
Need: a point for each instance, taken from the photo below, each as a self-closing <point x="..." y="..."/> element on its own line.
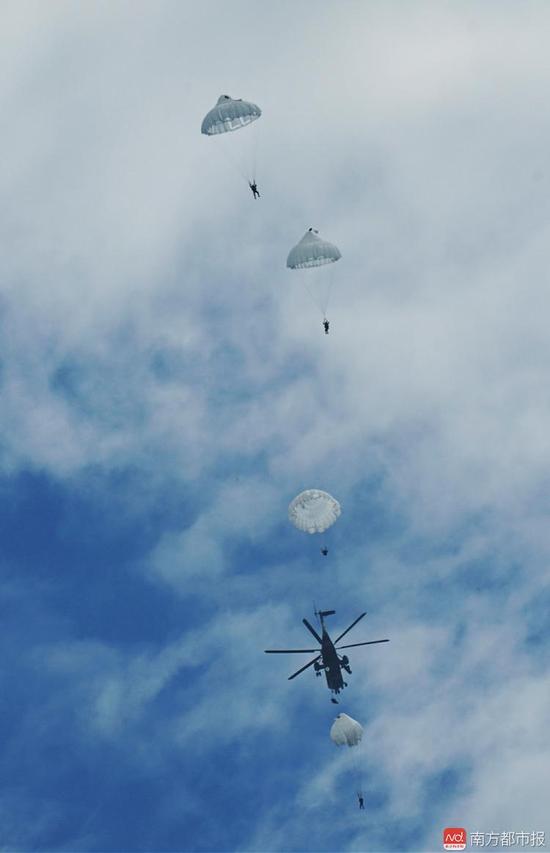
<point x="167" y="389"/>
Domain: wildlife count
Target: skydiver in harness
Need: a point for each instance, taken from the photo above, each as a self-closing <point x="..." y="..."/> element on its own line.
<point x="326" y="324"/>
<point x="361" y="802"/>
<point x="324" y="550"/>
<point x="254" y="188"/>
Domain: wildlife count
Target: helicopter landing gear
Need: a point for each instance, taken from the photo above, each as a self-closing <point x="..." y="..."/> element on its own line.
<point x="344" y="663"/>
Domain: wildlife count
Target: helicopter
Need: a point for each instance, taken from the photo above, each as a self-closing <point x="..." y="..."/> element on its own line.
<point x="328" y="659"/>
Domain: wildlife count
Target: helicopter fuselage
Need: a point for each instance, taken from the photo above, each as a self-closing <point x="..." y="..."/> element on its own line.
<point x="330" y="663"/>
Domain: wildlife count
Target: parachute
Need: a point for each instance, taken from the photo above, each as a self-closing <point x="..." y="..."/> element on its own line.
<point x="312" y="251"/>
<point x="346" y="731"/>
<point x="313" y="511"/>
<point x="232" y="114"/>
<point x="229" y="114"/>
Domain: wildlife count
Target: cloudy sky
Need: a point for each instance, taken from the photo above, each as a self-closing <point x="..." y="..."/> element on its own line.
<point x="166" y="389"/>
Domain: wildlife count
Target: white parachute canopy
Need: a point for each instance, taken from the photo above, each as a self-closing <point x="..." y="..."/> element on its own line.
<point x="346" y="731"/>
<point x="229" y="114"/>
<point x="312" y="251"/>
<point x="313" y="511"/>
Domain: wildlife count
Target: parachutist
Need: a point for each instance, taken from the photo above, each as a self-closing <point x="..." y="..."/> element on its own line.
<point x="324" y="551"/>
<point x="254" y="189"/>
<point x="326" y="325"/>
<point x="333" y="700"/>
<point x="361" y="802"/>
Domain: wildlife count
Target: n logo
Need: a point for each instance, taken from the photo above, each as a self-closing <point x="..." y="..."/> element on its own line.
<point x="454" y="838"/>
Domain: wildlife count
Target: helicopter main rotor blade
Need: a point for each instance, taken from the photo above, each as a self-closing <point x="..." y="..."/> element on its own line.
<point x="368" y="643"/>
<point x="289" y="651"/>
<point x="312" y="631"/>
<point x="353" y="624"/>
<point x="290" y="677"/>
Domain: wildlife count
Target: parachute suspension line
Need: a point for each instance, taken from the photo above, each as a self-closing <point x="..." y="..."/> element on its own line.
<point x="255" y="130"/>
<point x="245" y="152"/>
<point x="330" y="273"/>
<point x="315" y="298"/>
<point x="358" y="767"/>
<point x="359" y="773"/>
<point x="320" y="289"/>
<point x="234" y="160"/>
